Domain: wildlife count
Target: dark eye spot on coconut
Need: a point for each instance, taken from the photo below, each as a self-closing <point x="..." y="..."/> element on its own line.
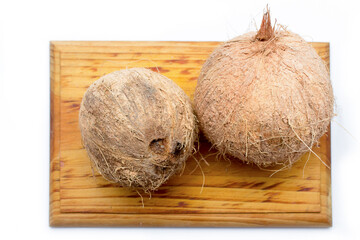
<point x="158" y="146"/>
<point x="160" y="169"/>
<point x="177" y="149"/>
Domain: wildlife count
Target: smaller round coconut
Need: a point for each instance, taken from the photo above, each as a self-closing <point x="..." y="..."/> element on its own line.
<point x="264" y="97"/>
<point x="138" y="127"/>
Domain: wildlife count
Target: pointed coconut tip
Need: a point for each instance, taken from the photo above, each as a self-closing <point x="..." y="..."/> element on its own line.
<point x="266" y="31"/>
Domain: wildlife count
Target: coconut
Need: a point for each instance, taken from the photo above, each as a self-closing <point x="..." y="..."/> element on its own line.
<point x="264" y="97"/>
<point x="138" y="127"/>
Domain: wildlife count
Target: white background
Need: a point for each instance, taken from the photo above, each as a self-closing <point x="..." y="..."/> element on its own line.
<point x="26" y="27"/>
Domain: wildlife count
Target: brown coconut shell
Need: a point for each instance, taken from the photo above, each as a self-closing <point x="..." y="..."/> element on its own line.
<point x="138" y="127"/>
<point x="264" y="97"/>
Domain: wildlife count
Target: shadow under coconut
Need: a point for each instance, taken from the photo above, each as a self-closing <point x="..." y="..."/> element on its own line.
<point x="229" y="186"/>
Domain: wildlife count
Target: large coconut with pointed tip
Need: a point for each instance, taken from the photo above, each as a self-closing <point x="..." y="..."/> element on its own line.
<point x="264" y="97"/>
<point x="138" y="127"/>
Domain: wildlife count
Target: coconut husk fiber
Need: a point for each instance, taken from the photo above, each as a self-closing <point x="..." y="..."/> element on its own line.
<point x="264" y="97"/>
<point x="138" y="127"/>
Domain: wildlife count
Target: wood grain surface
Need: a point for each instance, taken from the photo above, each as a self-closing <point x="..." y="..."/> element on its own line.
<point x="231" y="194"/>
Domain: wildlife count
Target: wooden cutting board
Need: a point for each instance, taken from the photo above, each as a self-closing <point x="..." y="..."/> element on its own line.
<point x="232" y="195"/>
